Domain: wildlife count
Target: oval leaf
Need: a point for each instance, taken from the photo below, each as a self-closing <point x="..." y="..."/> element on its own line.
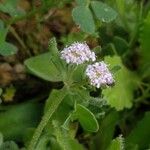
<point x="86" y="118"/>
<point x="43" y="67"/>
<point x="7" y="49"/>
<point x="83" y="17"/>
<point x="103" y="12"/>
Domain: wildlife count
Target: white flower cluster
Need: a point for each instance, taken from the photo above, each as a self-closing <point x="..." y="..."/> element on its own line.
<point x="99" y="74"/>
<point x="77" y="53"/>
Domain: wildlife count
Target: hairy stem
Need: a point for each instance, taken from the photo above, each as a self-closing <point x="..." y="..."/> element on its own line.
<point x="45" y="119"/>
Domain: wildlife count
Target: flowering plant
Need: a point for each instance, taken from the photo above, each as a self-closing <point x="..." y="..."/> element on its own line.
<point x="76" y="66"/>
<point x="84" y="96"/>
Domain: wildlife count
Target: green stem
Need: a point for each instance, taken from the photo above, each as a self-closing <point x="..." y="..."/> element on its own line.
<point x="45" y="119"/>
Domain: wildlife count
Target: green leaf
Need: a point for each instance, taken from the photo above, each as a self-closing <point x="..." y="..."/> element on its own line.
<point x="9" y="145"/>
<point x="103" y="12"/>
<point x="1" y="139"/>
<point x="43" y="143"/>
<point x="3" y="33"/>
<point x="7" y="49"/>
<point x="145" y="44"/>
<point x="121" y="6"/>
<point x="55" y="56"/>
<point x="53" y="47"/>
<point x="62" y="111"/>
<point x="1" y="91"/>
<point x="86" y="118"/>
<point x="1" y="24"/>
<point x="43" y="67"/>
<point x="64" y="139"/>
<point x="83" y="17"/>
<point x="106" y="130"/>
<point x="115" y="69"/>
<point x="121" y="45"/>
<point x="120" y="95"/>
<point x="72" y="37"/>
<point x="140" y="135"/>
<point x="117" y="144"/>
<point x="82" y="2"/>
<point x="21" y="116"/>
<point x="10" y="7"/>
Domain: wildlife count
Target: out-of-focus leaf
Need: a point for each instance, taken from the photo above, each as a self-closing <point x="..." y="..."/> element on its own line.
<point x="120" y="95"/>
<point x="72" y="37"/>
<point x="121" y="6"/>
<point x="10" y="7"/>
<point x="121" y="45"/>
<point x="82" y="2"/>
<point x="7" y="49"/>
<point x="145" y="45"/>
<point x="43" y="67"/>
<point x="1" y="24"/>
<point x="103" y="12"/>
<point x="106" y="131"/>
<point x="115" y="69"/>
<point x="140" y="135"/>
<point x="83" y="17"/>
<point x="86" y="118"/>
<point x="9" y="145"/>
<point x="3" y="32"/>
<point x="1" y="139"/>
<point x="0" y="95"/>
<point x="117" y="144"/>
<point x="1" y="91"/>
<point x="15" y="119"/>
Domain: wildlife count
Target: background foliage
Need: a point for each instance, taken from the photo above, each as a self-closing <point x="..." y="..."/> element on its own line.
<point x="37" y="111"/>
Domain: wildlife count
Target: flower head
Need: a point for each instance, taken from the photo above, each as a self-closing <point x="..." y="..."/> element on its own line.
<point x="77" y="53"/>
<point x="99" y="74"/>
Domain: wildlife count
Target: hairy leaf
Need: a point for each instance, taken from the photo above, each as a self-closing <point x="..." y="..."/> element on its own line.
<point x="86" y="118"/>
<point x="43" y="67"/>
<point x="64" y="139"/>
<point x="117" y="144"/>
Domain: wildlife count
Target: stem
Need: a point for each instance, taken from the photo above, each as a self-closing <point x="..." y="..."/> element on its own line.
<point x="45" y="119"/>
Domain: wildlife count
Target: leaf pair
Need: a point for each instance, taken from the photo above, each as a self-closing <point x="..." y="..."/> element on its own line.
<point x="82" y="14"/>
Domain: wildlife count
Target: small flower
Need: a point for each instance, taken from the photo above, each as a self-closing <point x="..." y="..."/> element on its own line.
<point x="99" y="74"/>
<point x="77" y="53"/>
